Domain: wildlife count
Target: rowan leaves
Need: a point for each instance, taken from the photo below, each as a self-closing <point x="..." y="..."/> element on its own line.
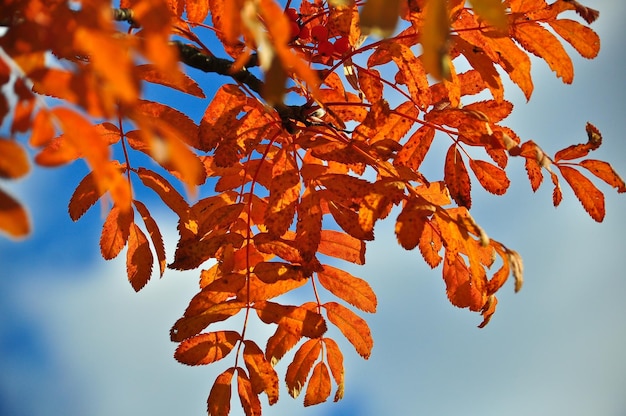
<point x="288" y="166"/>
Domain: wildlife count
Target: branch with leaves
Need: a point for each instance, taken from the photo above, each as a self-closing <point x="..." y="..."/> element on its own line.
<point x="291" y="146"/>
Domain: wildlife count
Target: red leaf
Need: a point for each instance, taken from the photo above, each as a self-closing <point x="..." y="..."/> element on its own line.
<point x="589" y="196"/>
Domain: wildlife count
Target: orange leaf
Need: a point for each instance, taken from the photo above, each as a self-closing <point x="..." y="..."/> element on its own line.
<point x="218" y="403"/>
<point x="354" y="328"/>
<point x="334" y="357"/>
<point x="318" y="389"/>
<point x="582" y="38"/>
<point x="456" y="178"/>
<point x="13" y="217"/>
<point x="414" y="74"/>
<point x="43" y="130"/>
<point x="178" y="81"/>
<point x="514" y="61"/>
<point x="342" y="246"/>
<point x="168" y="194"/>
<point x="115" y="232"/>
<point x="298" y="371"/>
<point x="463" y="289"/>
<point x="491" y="177"/>
<point x="249" y="400"/>
<point x="220" y="117"/>
<point x="196" y="319"/>
<point x="410" y="225"/>
<point x="138" y="258"/>
<point x="197" y="11"/>
<point x="262" y="375"/>
<point x="415" y="149"/>
<point x="191" y="253"/>
<point x="280" y="343"/>
<point x="13" y="159"/>
<point x="155" y="234"/>
<point x="590" y="197"/>
<point x="353" y="290"/>
<point x="430" y="244"/>
<point x="604" y="171"/>
<point x="298" y="320"/>
<point x="83" y="198"/>
<point x="348" y="220"/>
<point x="206" y="348"/>
<point x="264" y="291"/>
<point x="492" y="11"/>
<point x="284" y="195"/>
<point x="539" y="41"/>
<point x="309" y="225"/>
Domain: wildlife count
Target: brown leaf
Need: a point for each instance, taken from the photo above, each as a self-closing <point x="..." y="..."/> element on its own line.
<point x="138" y="258"/>
<point x="353" y="290"/>
<point x="206" y="348"/>
<point x="354" y="328"/>
<point x="272" y="272"/>
<point x="298" y="320"/>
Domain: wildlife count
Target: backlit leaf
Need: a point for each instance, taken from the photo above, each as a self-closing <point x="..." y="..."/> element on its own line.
<point x="334" y="357"/>
<point x="463" y="289"/>
<point x="298" y="320"/>
<point x="218" y="403"/>
<point x="249" y="400"/>
<point x="491" y="177"/>
<point x="415" y="149"/>
<point x="582" y="38"/>
<point x="195" y="320"/>
<point x="410" y="225"/>
<point x="262" y="375"/>
<point x="299" y="369"/>
<point x="115" y="232"/>
<point x="168" y="194"/>
<point x="434" y="40"/>
<point x="342" y="246"/>
<point x="13" y="159"/>
<point x="605" y="171"/>
<point x="492" y="11"/>
<point x="138" y="258"/>
<point x="354" y="328"/>
<point x="318" y="389"/>
<point x="155" y="234"/>
<point x="589" y="196"/>
<point x="206" y="348"/>
<point x="379" y="17"/>
<point x="85" y="195"/>
<point x="353" y="290"/>
<point x="457" y="179"/>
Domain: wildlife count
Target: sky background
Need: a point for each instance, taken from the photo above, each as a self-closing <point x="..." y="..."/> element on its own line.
<point x="76" y="340"/>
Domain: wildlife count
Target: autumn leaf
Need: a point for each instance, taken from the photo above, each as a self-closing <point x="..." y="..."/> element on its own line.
<point x="298" y="320"/>
<point x="84" y="197"/>
<point x="201" y="313"/>
<point x="138" y="258"/>
<point x="342" y="246"/>
<point x="318" y="389"/>
<point x="13" y="160"/>
<point x="115" y="232"/>
<point x="353" y="290"/>
<point x="206" y="348"/>
<point x="589" y="196"/>
<point x="155" y="234"/>
<point x="379" y="17"/>
<point x="249" y="400"/>
<point x="218" y="403"/>
<point x="491" y="177"/>
<point x="263" y="377"/>
<point x="299" y="369"/>
<point x="334" y="358"/>
<point x="435" y="40"/>
<point x="604" y="171"/>
<point x="354" y="328"/>
<point x="457" y="178"/>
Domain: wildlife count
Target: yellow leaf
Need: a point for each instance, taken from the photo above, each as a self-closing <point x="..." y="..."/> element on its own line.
<point x="435" y="40"/>
<point x="492" y="11"/>
<point x="379" y="17"/>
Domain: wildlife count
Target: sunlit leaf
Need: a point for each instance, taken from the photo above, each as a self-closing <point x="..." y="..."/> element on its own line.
<point x="206" y="348"/>
<point x="353" y="327"/>
<point x="13" y="217"/>
<point x="138" y="258"/>
<point x="318" y="389"/>
<point x="589" y="196"/>
<point x="353" y="290"/>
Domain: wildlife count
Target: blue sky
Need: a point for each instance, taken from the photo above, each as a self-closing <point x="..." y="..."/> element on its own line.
<point x="76" y="340"/>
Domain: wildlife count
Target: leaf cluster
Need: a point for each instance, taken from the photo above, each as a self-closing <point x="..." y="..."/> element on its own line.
<point x="303" y="147"/>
